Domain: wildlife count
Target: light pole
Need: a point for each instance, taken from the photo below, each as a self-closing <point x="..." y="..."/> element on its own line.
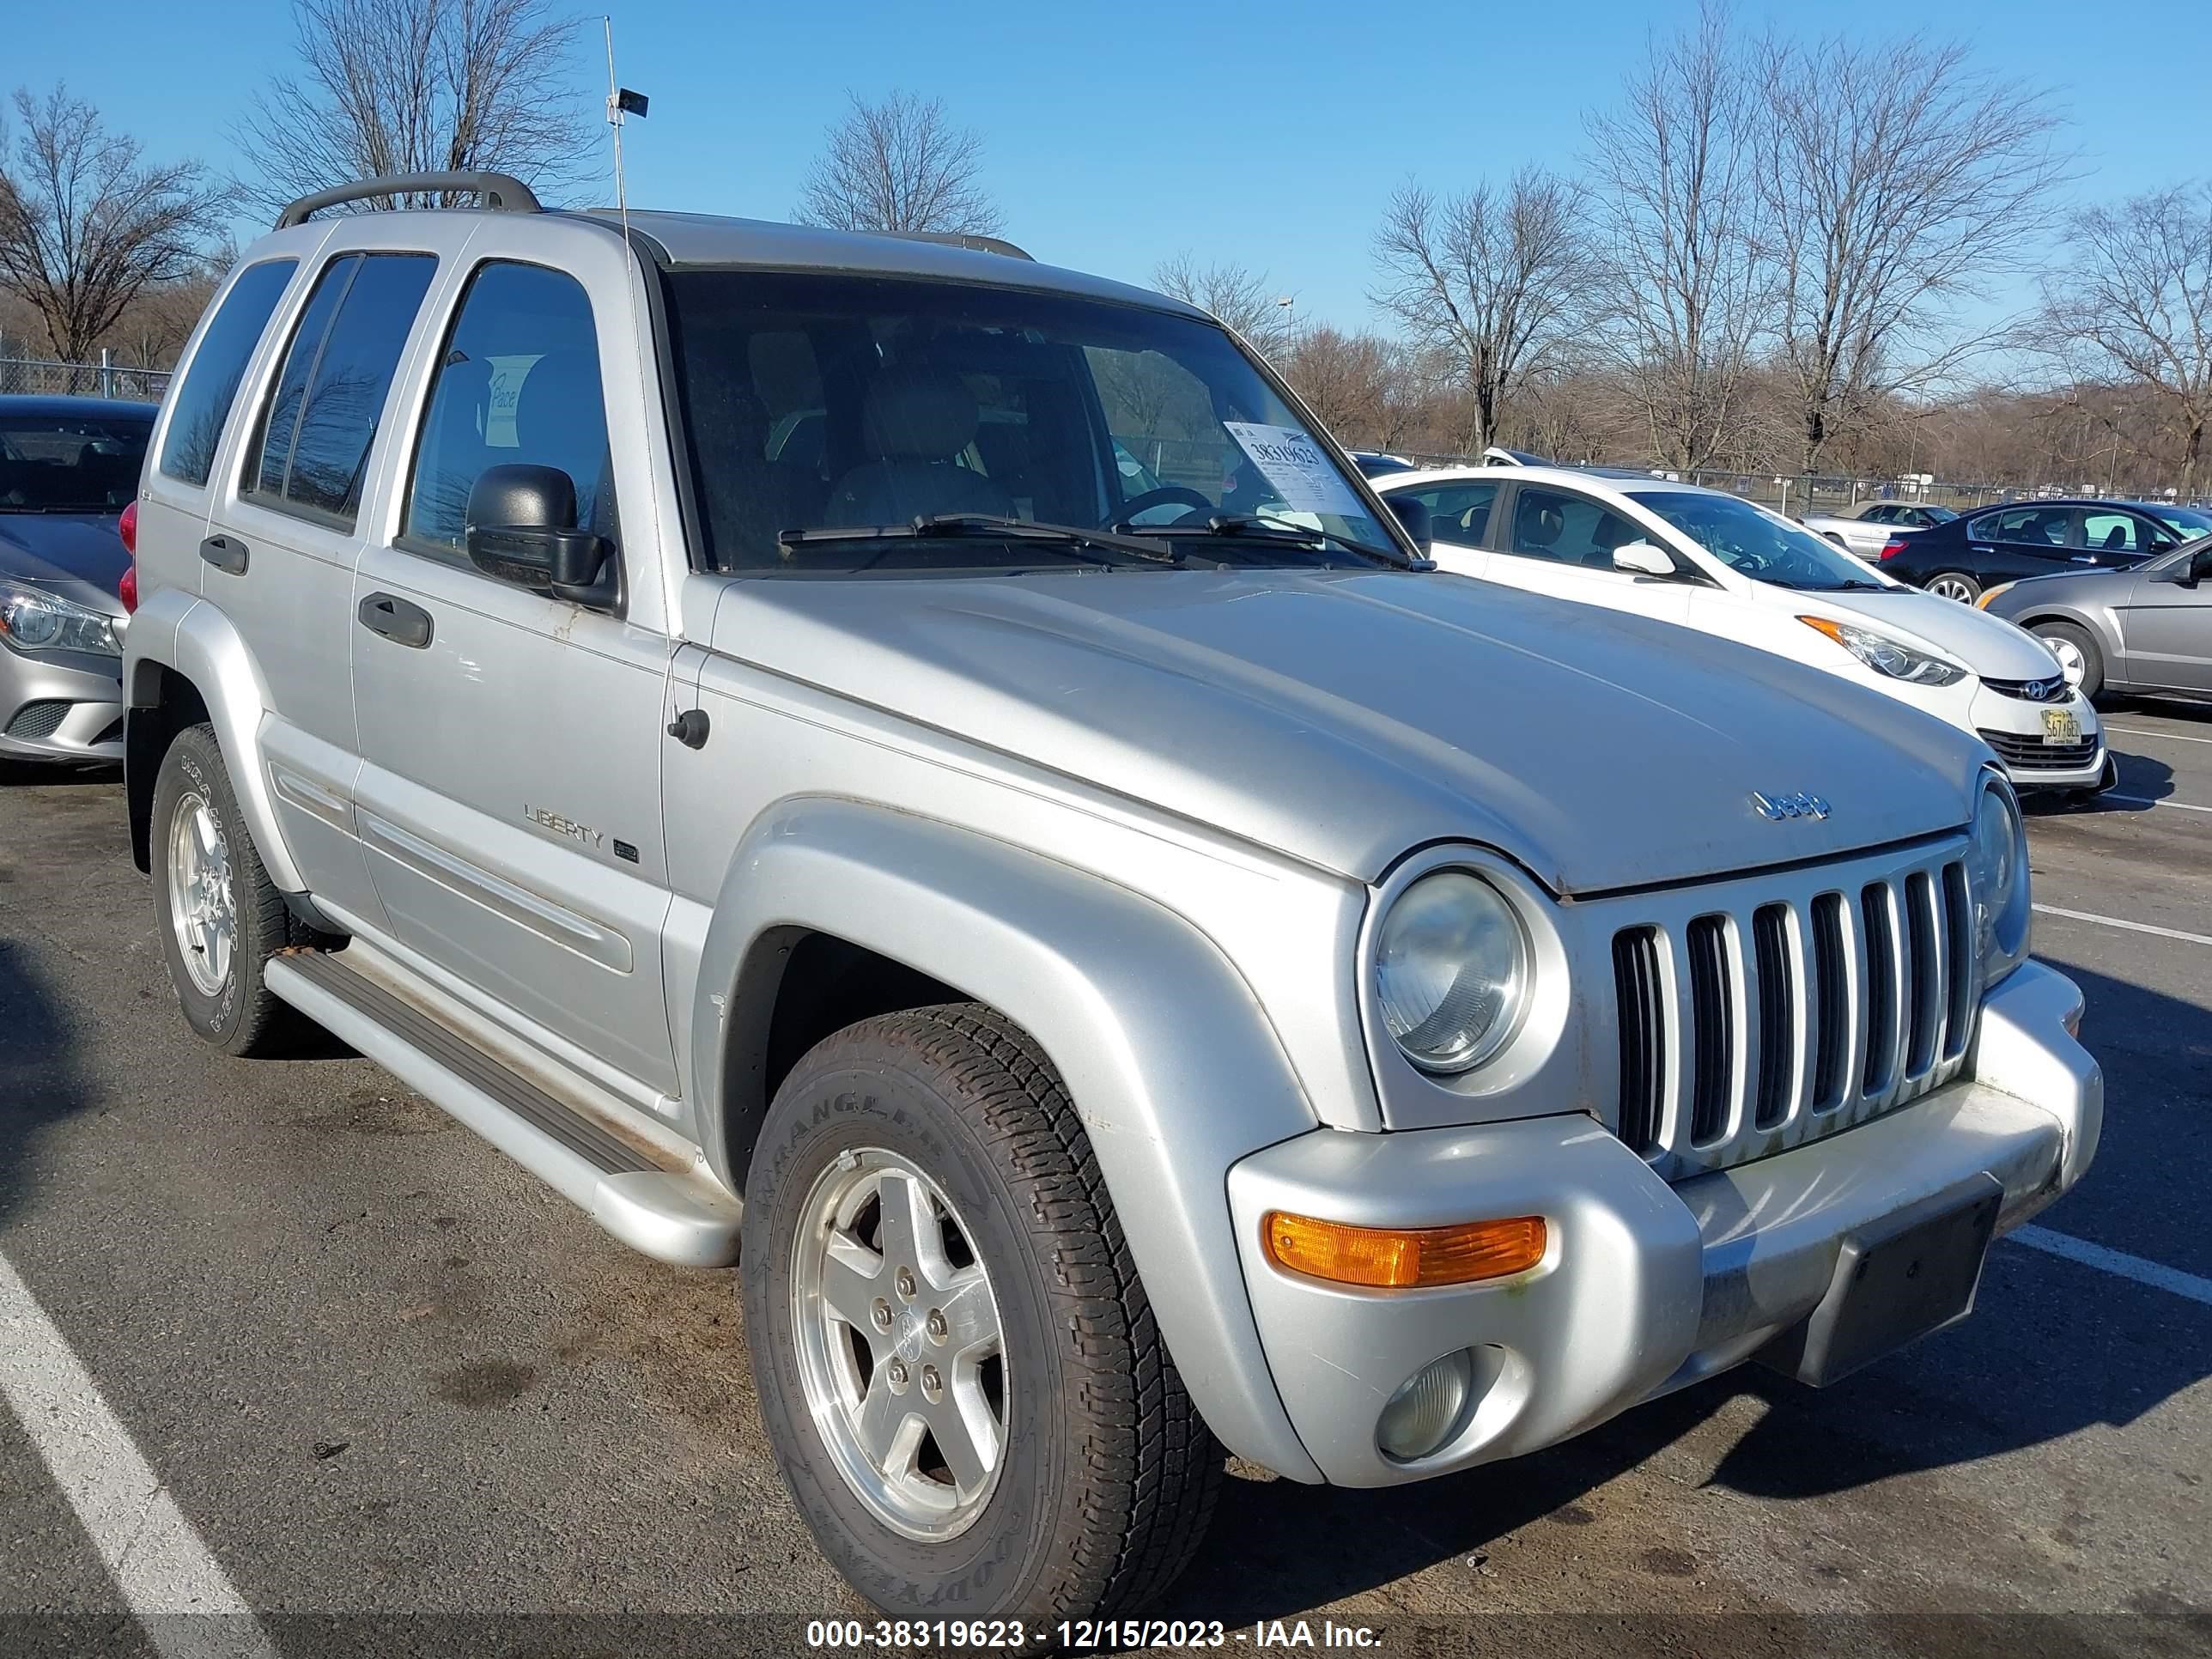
<point x="1287" y="305"/>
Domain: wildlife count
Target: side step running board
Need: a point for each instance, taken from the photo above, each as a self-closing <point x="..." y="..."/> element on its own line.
<point x="666" y="1213"/>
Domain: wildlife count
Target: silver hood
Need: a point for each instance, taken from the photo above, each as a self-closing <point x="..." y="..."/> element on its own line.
<point x="1347" y="718"/>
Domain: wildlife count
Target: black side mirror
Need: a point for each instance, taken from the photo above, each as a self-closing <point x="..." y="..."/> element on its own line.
<point x="2185" y="573"/>
<point x="522" y="529"/>
<point x="1413" y="515"/>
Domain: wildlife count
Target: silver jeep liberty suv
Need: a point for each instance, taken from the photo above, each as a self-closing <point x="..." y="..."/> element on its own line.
<point x="929" y="779"/>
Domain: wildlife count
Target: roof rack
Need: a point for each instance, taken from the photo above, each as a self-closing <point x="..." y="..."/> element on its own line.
<point x="969" y="239"/>
<point x="501" y="193"/>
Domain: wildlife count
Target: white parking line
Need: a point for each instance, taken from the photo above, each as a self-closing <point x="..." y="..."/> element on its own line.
<point x="2170" y="737"/>
<point x="2153" y="1273"/>
<point x="150" y="1551"/>
<point x="2137" y="800"/>
<point x="2129" y="926"/>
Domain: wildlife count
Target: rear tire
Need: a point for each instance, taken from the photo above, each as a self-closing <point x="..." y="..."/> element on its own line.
<point x="1104" y="1475"/>
<point x="220" y="917"/>
<point x="2065" y="638"/>
<point x="1956" y="585"/>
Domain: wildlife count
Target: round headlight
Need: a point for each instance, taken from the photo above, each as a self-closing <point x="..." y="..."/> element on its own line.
<point x="1451" y="971"/>
<point x="1995" y="861"/>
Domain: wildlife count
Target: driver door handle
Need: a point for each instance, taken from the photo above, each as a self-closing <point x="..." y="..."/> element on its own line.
<point x="394" y="618"/>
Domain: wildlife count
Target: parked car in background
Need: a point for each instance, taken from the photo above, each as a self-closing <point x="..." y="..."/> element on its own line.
<point x="1724" y="566"/>
<point x="1376" y="464"/>
<point x="2146" y="630"/>
<point x="1963" y="559"/>
<point x="68" y="468"/>
<point x="1875" y="524"/>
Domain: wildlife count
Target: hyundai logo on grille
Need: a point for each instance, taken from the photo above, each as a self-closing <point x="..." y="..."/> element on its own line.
<point x="1779" y="807"/>
<point x="2050" y="690"/>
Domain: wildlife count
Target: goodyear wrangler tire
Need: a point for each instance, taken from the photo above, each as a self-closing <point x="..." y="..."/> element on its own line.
<point x="221" y="918"/>
<point x="957" y="1366"/>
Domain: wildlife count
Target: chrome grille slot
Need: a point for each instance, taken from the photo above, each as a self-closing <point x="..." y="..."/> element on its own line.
<point x="1765" y="1010"/>
<point x="1777" y="997"/>
<point x="1713" y="1028"/>
<point x="1641" y="995"/>
<point x="1832" y="1002"/>
<point x="1879" y="1059"/>
<point x="1959" y="930"/>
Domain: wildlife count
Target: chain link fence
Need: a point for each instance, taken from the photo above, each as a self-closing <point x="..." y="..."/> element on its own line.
<point x="38" y="378"/>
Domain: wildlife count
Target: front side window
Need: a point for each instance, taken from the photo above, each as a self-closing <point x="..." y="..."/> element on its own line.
<point x="1458" y="512"/>
<point x="202" y="404"/>
<point x="1567" y="529"/>
<point x="1752" y="542"/>
<point x="68" y="464"/>
<point x="2111" y="532"/>
<point x="821" y="409"/>
<point x="320" y="421"/>
<point x="519" y="381"/>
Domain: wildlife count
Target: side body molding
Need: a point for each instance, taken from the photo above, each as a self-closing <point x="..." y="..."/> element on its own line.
<point x="179" y="630"/>
<point x="1165" y="1050"/>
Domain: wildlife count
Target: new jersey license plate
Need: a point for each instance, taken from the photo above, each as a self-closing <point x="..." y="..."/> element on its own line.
<point x="2061" y="726"/>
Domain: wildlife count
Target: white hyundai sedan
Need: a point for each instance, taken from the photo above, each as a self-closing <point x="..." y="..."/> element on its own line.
<point x="1723" y="565"/>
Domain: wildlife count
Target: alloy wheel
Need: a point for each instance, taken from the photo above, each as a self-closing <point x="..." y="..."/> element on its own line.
<point x="203" y="904"/>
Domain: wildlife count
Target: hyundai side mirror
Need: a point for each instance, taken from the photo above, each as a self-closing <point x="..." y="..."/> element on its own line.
<point x="1413" y="515"/>
<point x="1642" y="559"/>
<point x="522" y="529"/>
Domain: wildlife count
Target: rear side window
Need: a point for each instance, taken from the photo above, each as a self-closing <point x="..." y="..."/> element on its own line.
<point x="2034" y="526"/>
<point x="1457" y="512"/>
<point x="519" y="381"/>
<point x="320" y="421"/>
<point x="210" y="385"/>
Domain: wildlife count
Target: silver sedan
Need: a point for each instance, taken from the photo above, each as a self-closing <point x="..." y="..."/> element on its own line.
<point x="1865" y="531"/>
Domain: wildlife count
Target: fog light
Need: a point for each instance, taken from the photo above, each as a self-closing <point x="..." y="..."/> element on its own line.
<point x="1427" y="1408"/>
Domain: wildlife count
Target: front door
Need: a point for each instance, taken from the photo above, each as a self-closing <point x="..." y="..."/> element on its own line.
<point x="1561" y="543"/>
<point x="509" y="797"/>
<point x="2167" y="634"/>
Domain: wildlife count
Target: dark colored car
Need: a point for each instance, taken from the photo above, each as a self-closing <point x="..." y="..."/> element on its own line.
<point x="2016" y="540"/>
<point x="1377" y="464"/>
<point x="68" y="467"/>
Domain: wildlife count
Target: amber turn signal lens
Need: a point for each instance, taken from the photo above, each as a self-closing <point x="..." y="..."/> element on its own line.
<point x="1403" y="1258"/>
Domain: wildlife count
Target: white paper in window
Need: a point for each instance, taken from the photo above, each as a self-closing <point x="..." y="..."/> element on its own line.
<point x="1294" y="467"/>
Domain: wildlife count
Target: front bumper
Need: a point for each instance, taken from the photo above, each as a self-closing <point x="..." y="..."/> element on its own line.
<point x="2021" y="747"/>
<point x="1645" y="1287"/>
<point x="67" y="707"/>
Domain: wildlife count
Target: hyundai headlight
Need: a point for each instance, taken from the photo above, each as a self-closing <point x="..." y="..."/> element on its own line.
<point x="1996" y="884"/>
<point x="1451" y="971"/>
<point x="33" y="619"/>
<point x="1885" y="655"/>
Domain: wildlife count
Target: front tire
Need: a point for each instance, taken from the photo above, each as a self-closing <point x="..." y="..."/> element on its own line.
<point x="957" y="1365"/>
<point x="2077" y="654"/>
<point x="221" y="918"/>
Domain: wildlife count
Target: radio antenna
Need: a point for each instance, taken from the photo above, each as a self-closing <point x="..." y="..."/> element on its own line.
<point x="614" y="120"/>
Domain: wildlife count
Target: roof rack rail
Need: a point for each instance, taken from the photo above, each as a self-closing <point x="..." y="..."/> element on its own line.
<point x="969" y="239"/>
<point x="501" y="193"/>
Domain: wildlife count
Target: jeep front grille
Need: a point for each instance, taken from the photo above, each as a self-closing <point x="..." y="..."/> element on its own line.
<point x="1749" y="1022"/>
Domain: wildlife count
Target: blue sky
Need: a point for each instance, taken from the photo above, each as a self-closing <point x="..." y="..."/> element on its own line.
<point x="1119" y="134"/>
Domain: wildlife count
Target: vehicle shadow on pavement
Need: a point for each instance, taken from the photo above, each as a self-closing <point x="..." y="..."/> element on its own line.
<point x="39" y="1081"/>
<point x="2054" y="1347"/>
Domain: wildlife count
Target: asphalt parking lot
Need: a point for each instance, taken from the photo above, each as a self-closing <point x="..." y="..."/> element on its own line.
<point x="387" y="1394"/>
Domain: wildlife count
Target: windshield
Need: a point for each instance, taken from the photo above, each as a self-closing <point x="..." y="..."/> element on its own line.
<point x="70" y="463"/>
<point x="2185" y="522"/>
<point x="1754" y="543"/>
<point x="820" y="403"/>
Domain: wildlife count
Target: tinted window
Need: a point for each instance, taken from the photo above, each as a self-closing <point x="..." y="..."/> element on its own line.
<point x="2113" y="532"/>
<point x="1880" y="515"/>
<point x="1457" y="512"/>
<point x="1550" y="524"/>
<point x="202" y="404"/>
<point x="322" y="420"/>
<point x="70" y="463"/>
<point x="519" y="381"/>
<point x="2032" y="526"/>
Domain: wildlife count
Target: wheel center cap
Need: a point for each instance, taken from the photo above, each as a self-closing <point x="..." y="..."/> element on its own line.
<point x="907" y="1334"/>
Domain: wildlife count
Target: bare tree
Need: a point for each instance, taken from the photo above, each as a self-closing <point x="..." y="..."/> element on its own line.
<point x="1894" y="179"/>
<point x="900" y="165"/>
<point x="87" y="225"/>
<point x="1492" y="280"/>
<point x="419" y="85"/>
<point x="2134" y="303"/>
<point x="1684" y="294"/>
<point x="1345" y="379"/>
<point x="1233" y="295"/>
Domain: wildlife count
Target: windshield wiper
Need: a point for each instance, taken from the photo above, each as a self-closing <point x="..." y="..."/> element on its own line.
<point x="927" y="524"/>
<point x="1278" y="530"/>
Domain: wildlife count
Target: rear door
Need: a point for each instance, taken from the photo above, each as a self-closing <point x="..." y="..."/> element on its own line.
<point x="509" y="798"/>
<point x="279" y="552"/>
<point x="2018" y="541"/>
<point x="1459" y="522"/>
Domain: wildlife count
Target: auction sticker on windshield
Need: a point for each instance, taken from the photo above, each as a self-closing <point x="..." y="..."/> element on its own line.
<point x="1299" y="472"/>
